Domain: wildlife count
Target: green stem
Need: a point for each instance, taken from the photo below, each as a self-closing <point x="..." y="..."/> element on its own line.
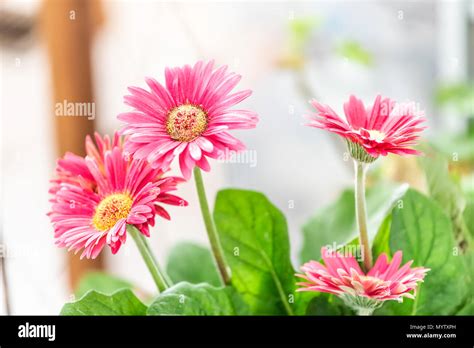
<point x="163" y="274"/>
<point x="161" y="281"/>
<point x="216" y="246"/>
<point x="361" y="213"/>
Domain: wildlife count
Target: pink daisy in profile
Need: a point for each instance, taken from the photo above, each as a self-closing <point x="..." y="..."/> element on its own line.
<point x="341" y="275"/>
<point x="386" y="127"/>
<point x="189" y="117"/>
<point x="96" y="197"/>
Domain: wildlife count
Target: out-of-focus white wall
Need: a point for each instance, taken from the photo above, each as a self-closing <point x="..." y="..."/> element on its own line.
<point x="36" y="269"/>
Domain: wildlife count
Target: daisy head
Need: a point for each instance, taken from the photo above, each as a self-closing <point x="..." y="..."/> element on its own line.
<point x="386" y="127"/>
<point x="188" y="117"/>
<point x="95" y="197"/>
<point x="342" y="276"/>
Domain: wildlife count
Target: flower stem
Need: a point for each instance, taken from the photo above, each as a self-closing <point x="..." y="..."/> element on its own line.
<point x="361" y="213"/>
<point x="161" y="281"/>
<point x="216" y="246"/>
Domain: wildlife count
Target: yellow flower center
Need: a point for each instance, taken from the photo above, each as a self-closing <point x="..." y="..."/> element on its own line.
<point x="110" y="210"/>
<point x="376" y="135"/>
<point x="186" y="122"/>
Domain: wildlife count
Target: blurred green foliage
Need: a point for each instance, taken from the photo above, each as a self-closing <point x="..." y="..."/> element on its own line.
<point x="300" y="32"/>
<point x="458" y="95"/>
<point x="355" y="52"/>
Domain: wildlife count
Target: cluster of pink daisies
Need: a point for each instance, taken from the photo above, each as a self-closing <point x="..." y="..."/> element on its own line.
<point x="386" y="127"/>
<point x="124" y="180"/>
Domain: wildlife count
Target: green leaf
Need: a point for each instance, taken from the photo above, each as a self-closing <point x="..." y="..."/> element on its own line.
<point x="122" y="302"/>
<point x="255" y="240"/>
<point x="469" y="212"/>
<point x="467" y="307"/>
<point x="336" y="224"/>
<point x="382" y="239"/>
<point x="441" y="186"/>
<point x="192" y="263"/>
<point x="423" y="232"/>
<point x="198" y="299"/>
<point x="446" y="192"/>
<point x="101" y="282"/>
<point x="302" y="299"/>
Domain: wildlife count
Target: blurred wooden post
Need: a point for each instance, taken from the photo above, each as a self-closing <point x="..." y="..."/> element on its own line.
<point x="67" y="27"/>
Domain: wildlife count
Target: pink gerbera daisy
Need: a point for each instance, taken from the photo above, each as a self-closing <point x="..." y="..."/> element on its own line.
<point x="364" y="292"/>
<point x="94" y="198"/>
<point x="189" y="117"/>
<point x="384" y="128"/>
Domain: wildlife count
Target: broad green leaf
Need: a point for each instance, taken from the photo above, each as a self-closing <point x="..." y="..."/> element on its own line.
<point x="382" y="239"/>
<point x="423" y="232"/>
<point x="467" y="307"/>
<point x="121" y="302"/>
<point x="302" y="300"/>
<point x="336" y="224"/>
<point x="198" y="299"/>
<point x="192" y="263"/>
<point x="327" y="305"/>
<point x="101" y="282"/>
<point x="333" y="224"/>
<point x="254" y="236"/>
<point x="468" y="214"/>
<point x="445" y="191"/>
